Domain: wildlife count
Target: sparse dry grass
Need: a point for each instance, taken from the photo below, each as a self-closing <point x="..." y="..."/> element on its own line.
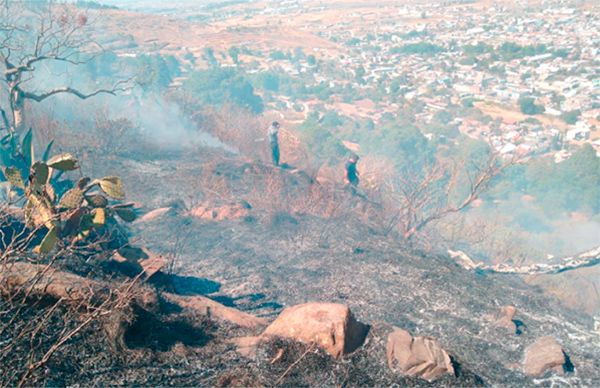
<point x="43" y="309"/>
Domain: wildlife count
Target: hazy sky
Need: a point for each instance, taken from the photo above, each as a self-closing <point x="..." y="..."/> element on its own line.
<point x="157" y="3"/>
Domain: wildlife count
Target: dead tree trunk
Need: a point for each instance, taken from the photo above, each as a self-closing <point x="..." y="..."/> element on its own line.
<point x="40" y="281"/>
<point x="17" y="106"/>
<point x="112" y="303"/>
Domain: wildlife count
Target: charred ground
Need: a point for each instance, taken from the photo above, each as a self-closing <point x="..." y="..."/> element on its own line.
<point x="275" y="256"/>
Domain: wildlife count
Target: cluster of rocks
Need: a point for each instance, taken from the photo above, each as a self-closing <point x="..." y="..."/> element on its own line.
<point x="205" y="211"/>
<point x="545" y="354"/>
<point x="228" y="211"/>
<point x="333" y="328"/>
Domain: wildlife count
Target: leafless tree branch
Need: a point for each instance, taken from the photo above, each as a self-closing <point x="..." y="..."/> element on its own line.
<point x="75" y="92"/>
<point x="57" y="35"/>
<point x="429" y="196"/>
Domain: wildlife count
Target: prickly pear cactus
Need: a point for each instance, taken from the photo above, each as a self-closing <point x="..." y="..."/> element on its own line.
<point x="72" y="199"/>
<point x="87" y="210"/>
<point x="112" y="186"/>
<point x="14" y="177"/>
<point x="97" y="200"/>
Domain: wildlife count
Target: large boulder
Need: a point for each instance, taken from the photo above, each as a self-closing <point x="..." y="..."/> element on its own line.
<point x="543" y="355"/>
<point x="330" y="326"/>
<point x="417" y="356"/>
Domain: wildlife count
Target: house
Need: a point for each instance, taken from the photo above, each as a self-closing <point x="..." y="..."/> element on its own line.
<point x="508" y="148"/>
<point x="581" y="131"/>
<point x="552" y="111"/>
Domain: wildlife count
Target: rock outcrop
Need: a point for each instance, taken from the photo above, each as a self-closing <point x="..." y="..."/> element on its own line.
<point x="421" y="357"/>
<point x="543" y="355"/>
<point x="330" y="326"/>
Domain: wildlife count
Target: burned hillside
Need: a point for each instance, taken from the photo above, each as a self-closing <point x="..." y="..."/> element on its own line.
<point x="269" y="257"/>
<point x="295" y="194"/>
<point x="273" y="256"/>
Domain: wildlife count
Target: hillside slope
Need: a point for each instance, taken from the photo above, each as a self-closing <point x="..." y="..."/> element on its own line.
<point x="270" y="258"/>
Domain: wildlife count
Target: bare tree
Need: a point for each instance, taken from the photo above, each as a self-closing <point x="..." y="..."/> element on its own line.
<point x="446" y="187"/>
<point x="30" y="36"/>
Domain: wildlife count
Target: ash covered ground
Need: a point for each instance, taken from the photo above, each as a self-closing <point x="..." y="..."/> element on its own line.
<point x="273" y="257"/>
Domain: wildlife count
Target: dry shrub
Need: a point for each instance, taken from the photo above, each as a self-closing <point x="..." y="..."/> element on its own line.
<point x="239" y="129"/>
<point x="269" y="192"/>
<point x="295" y="153"/>
<point x="329" y="175"/>
<point x="427" y="195"/>
<point x="113" y="136"/>
<point x="47" y="128"/>
<point x="331" y="197"/>
<point x="208" y="187"/>
<point x="105" y="137"/>
<point x="247" y="133"/>
<point x="375" y="171"/>
<point x="320" y="200"/>
<point x="486" y="237"/>
<point x="279" y="191"/>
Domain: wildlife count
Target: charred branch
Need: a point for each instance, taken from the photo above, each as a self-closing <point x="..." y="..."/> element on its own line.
<point x="75" y="92"/>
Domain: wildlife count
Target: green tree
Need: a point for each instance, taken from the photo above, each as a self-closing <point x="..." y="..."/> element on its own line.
<point x="298" y="55"/>
<point x="421" y="48"/>
<point x="443" y="117"/>
<point x="353" y="42"/>
<point x="154" y="72"/>
<point x="528" y="106"/>
<point x="209" y="57"/>
<point x="277" y="55"/>
<point x="360" y="73"/>
<point x="234" y="53"/>
<point x="571" y="117"/>
<point x="270" y="81"/>
<point x="331" y="119"/>
<point x="573" y="185"/>
<point x="320" y="139"/>
<point x="218" y="85"/>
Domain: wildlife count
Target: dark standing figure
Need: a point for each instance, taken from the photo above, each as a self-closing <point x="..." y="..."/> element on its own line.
<point x="351" y="171"/>
<point x="274" y="140"/>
